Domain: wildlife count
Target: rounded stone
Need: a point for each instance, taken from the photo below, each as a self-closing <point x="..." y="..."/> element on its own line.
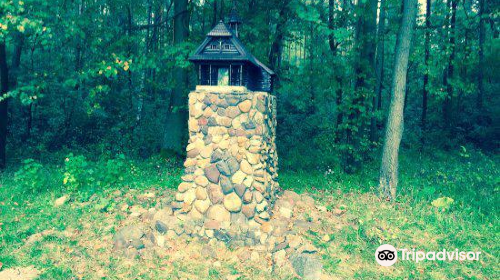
<point x="232" y="112"/>
<point x="226" y="185"/>
<point x="215" y="194"/>
<point x="225" y="121"/>
<point x="179" y="196"/>
<point x="236" y="123"/>
<point x="232" y="202"/>
<point x="201" y="193"/>
<point x="240" y="190"/>
<point x="233" y="164"/>
<point x="248" y="181"/>
<point x="212" y="173"/>
<point x="253" y="158"/>
<point x="195" y="214"/>
<point x="183" y="187"/>
<point x="212" y="225"/>
<point x="248" y="210"/>
<point x="202" y="121"/>
<point x="187" y="178"/>
<point x="206" y="152"/>
<point x="238" y="177"/>
<point x="189" y="196"/>
<point x="245" y="106"/>
<point x="201" y="181"/>
<point x="246" y="167"/>
<point x="202" y="205"/>
<point x="247" y="197"/>
<point x="190" y="162"/>
<point x="219" y="213"/>
<point x="258" y="196"/>
<point x="223" y="168"/>
<point x="193" y="153"/>
<point x="217" y="155"/>
<point x="193" y="125"/>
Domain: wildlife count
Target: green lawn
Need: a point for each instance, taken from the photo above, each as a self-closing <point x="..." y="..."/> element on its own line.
<point x="74" y="240"/>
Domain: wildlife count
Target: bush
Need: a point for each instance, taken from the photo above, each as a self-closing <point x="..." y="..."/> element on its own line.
<point x="81" y="173"/>
<point x="78" y="172"/>
<point x="31" y="176"/>
<point x="115" y="171"/>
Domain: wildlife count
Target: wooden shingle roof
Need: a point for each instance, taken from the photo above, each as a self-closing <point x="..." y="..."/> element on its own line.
<point x="220" y="30"/>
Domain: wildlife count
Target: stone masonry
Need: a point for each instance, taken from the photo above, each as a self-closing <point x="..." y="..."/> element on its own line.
<point x="230" y="175"/>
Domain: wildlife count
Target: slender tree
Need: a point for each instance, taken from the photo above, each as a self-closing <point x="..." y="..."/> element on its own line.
<point x="450" y="70"/>
<point x="279" y="36"/>
<point x="395" y="122"/>
<point x="480" y="72"/>
<point x="425" y="92"/>
<point x="176" y="118"/>
<point x="364" y="66"/>
<point x="339" y="91"/>
<point x="4" y="88"/>
<point x="379" y="70"/>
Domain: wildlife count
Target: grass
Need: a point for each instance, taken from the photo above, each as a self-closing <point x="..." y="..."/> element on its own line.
<point x="76" y="243"/>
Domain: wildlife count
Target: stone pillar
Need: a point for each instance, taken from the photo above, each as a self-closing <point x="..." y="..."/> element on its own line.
<point x="230" y="175"/>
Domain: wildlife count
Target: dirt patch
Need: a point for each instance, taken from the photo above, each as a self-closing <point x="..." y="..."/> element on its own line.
<point x="20" y="273"/>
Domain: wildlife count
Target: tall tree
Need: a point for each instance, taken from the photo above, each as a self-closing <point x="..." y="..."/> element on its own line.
<point x="279" y="36"/>
<point x="177" y="115"/>
<point x="449" y="72"/>
<point x="480" y="72"/>
<point x="379" y="71"/>
<point x="4" y="88"/>
<point x="364" y="70"/>
<point x="339" y="91"/>
<point x="214" y="12"/>
<point x="395" y="122"/>
<point x="425" y="92"/>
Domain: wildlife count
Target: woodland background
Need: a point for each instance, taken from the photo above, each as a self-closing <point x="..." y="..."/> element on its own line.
<point x="99" y="76"/>
<point x="89" y="89"/>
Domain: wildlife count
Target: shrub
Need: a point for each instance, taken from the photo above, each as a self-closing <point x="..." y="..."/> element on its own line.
<point x="78" y="172"/>
<point x="115" y="171"/>
<point x="31" y="176"/>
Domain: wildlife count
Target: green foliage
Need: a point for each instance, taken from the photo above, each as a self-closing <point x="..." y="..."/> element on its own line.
<point x="360" y="220"/>
<point x="443" y="203"/>
<point x="115" y="171"/>
<point x="78" y="172"/>
<point x="31" y="176"/>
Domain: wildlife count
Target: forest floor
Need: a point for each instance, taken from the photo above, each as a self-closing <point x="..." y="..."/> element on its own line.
<point x="74" y="240"/>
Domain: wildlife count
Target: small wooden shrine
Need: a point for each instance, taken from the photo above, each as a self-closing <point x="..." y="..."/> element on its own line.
<point x="222" y="60"/>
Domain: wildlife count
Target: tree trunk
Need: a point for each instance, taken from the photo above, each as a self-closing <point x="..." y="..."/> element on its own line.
<point x="221" y="10"/>
<point x="480" y="73"/>
<point x="176" y="119"/>
<point x="338" y="75"/>
<point x="364" y="70"/>
<point x="331" y="38"/>
<point x="214" y="12"/>
<point x="276" y="52"/>
<point x="395" y="122"/>
<point x="4" y="88"/>
<point x="426" y="62"/>
<point x="379" y="72"/>
<point x="448" y="101"/>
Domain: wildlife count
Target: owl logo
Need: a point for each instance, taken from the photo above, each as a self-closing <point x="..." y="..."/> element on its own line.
<point x="386" y="255"/>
